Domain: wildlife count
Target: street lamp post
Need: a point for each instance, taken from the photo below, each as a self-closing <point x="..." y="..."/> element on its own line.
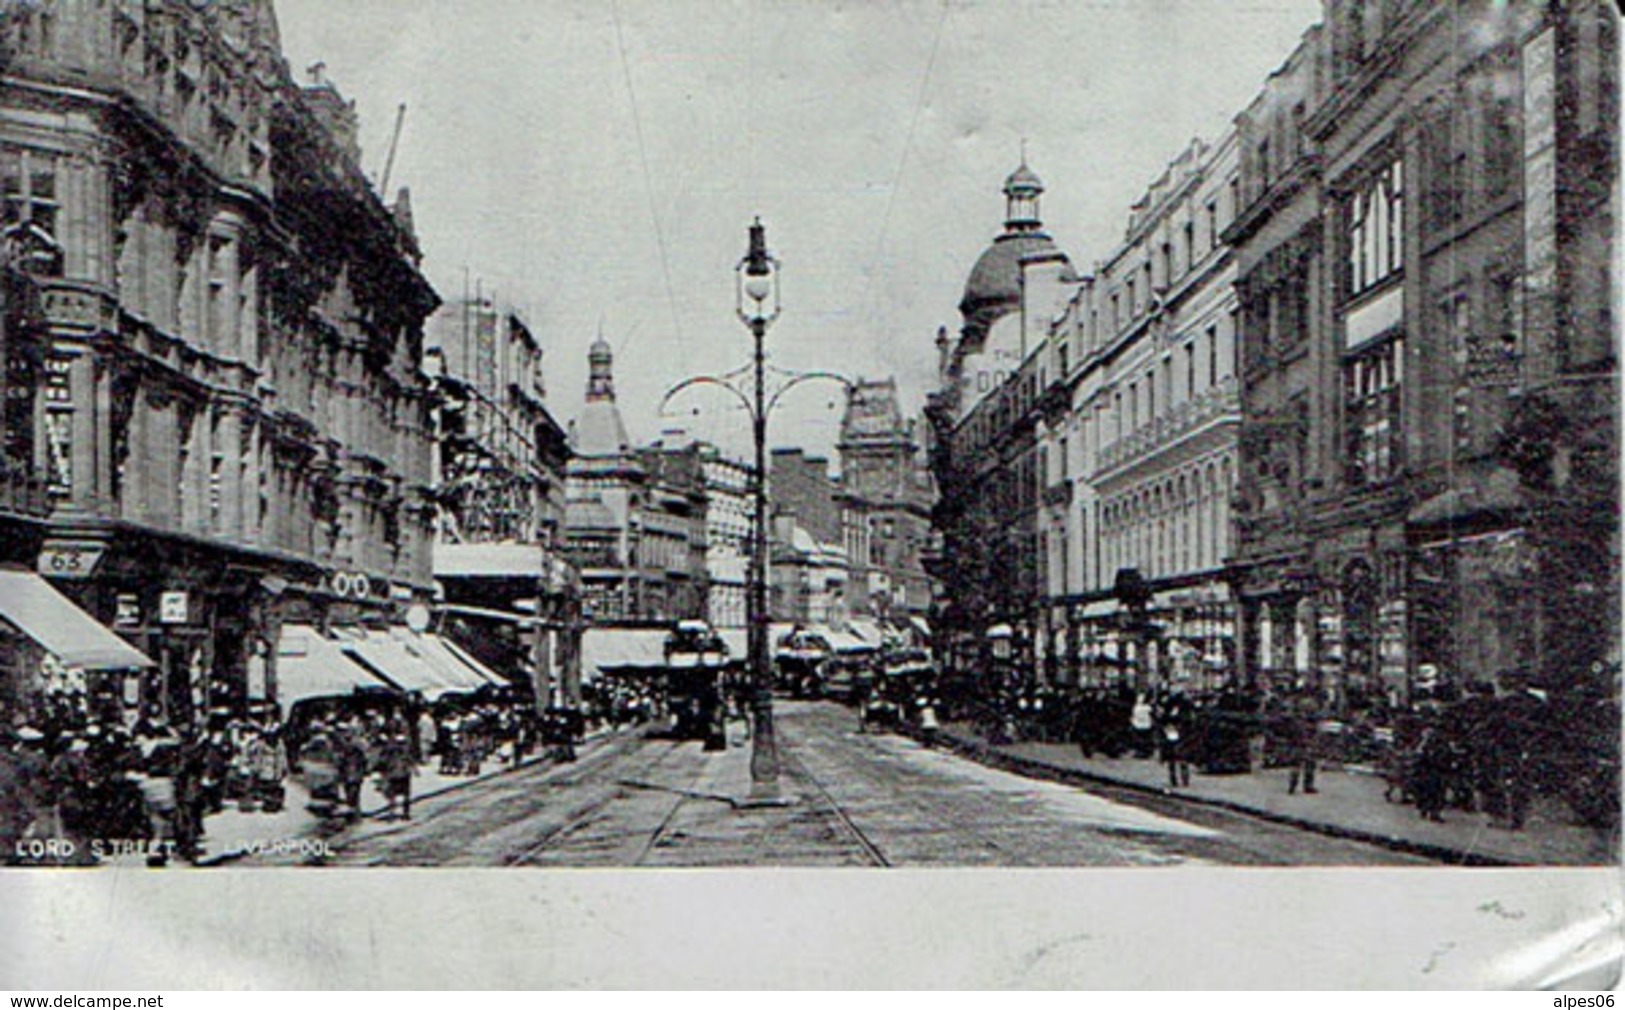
<point x="757" y="294"/>
<point x="757" y="277"/>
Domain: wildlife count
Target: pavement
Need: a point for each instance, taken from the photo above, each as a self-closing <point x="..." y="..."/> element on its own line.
<point x="296" y="830"/>
<point x="1349" y="804"/>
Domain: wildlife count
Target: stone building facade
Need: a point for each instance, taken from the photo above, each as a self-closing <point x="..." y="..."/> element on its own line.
<point x="635" y="519"/>
<point x="887" y="494"/>
<point x="219" y="383"/>
<point x="1457" y="515"/>
<point x="1138" y="441"/>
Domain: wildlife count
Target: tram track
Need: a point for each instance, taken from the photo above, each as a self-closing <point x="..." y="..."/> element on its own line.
<point x="871" y="850"/>
<point x="605" y="794"/>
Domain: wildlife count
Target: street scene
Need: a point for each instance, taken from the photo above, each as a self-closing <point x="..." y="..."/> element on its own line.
<point x="683" y="437"/>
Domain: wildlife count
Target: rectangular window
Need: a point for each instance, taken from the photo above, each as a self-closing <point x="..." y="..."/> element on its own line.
<point x="28" y="217"/>
<point x="1190" y="244"/>
<point x="1190" y="371"/>
<point x="1374" y="229"/>
<point x="1212" y="357"/>
<point x="1213" y="224"/>
<point x="1150" y="397"/>
<point x="1372" y="383"/>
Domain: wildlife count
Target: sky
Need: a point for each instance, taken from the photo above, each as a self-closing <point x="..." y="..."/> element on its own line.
<point x="597" y="163"/>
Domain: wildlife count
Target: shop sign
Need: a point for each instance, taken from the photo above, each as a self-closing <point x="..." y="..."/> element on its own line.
<point x="350" y="585"/>
<point x="172" y="607"/>
<point x="71" y="559"/>
<point x="127" y="611"/>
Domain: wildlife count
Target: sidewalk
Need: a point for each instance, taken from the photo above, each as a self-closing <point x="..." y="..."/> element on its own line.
<point x="232" y="833"/>
<point x="1349" y="805"/>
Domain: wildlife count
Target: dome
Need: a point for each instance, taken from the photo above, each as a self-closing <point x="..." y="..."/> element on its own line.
<point x="1023" y="180"/>
<point x="995" y="280"/>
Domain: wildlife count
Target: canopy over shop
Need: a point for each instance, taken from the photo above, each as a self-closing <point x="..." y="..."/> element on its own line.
<point x="354" y="660"/>
<point x="49" y="646"/>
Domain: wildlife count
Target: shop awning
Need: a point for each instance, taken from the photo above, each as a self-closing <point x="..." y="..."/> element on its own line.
<point x="383" y="655"/>
<point x="309" y="665"/>
<point x="737" y="640"/>
<point x="433" y="650"/>
<point x="626" y="649"/>
<point x="463" y="654"/>
<point x="841" y="641"/>
<point x="33" y="607"/>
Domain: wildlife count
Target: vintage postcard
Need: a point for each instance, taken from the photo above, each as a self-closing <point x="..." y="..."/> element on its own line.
<point x="1133" y="442"/>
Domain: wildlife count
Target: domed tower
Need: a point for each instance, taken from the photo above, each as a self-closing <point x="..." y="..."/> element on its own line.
<point x="993" y="289"/>
<point x="601" y="431"/>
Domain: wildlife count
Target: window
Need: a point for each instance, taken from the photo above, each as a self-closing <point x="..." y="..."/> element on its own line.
<point x="1133" y="300"/>
<point x="1372" y="384"/>
<point x="1117" y="314"/>
<point x="1190" y="371"/>
<point x="1150" y="397"/>
<point x="1167" y="263"/>
<point x="1212" y="357"/>
<point x="1213" y="224"/>
<point x="1375" y="229"/>
<point x="1500" y="145"/>
<point x="29" y="216"/>
<point x="1190" y="244"/>
<point x="1262" y="160"/>
<point x="59" y="425"/>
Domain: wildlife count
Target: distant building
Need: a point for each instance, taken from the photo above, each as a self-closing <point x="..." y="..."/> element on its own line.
<point x="499" y="474"/>
<point x="887" y="493"/>
<point x="499" y="485"/>
<point x="808" y="573"/>
<point x="729" y="516"/>
<point x="984" y="418"/>
<point x="634" y="519"/>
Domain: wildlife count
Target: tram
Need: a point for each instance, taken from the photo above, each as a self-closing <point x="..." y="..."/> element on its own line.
<point x="697" y="664"/>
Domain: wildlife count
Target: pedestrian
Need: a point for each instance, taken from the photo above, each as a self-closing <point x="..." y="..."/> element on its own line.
<point x="1431" y="776"/>
<point x="395" y="773"/>
<point x="1176" y="733"/>
<point x="352" y="766"/>
<point x="428" y="734"/>
<point x="1298" y="743"/>
<point x="318" y="762"/>
<point x="1141" y="725"/>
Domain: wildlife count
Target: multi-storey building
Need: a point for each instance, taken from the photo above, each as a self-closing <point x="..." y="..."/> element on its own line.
<point x="501" y="455"/>
<point x="1459" y="510"/>
<point x="220" y="390"/>
<point x="729" y="517"/>
<point x="984" y="417"/>
<point x="808" y="573"/>
<point x="500" y="462"/>
<point x="887" y="494"/>
<point x="1280" y="264"/>
<point x="634" y="518"/>
<point x="1137" y="441"/>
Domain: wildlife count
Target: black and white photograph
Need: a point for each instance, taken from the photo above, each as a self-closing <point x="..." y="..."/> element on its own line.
<point x="1169" y="438"/>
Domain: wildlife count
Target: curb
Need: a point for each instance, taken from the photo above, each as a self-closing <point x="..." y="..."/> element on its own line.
<point x="987" y="754"/>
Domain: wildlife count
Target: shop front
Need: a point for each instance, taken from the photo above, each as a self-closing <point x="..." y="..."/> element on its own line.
<point x="58" y="661"/>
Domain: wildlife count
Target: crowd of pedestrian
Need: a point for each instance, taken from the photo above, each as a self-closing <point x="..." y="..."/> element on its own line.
<point x="83" y="783"/>
<point x="1481" y="750"/>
